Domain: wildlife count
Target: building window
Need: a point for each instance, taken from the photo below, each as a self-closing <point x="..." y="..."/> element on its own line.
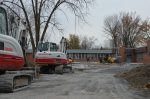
<point x="82" y="55"/>
<point x="73" y="56"/>
<point x="79" y="56"/>
<point x="139" y="57"/>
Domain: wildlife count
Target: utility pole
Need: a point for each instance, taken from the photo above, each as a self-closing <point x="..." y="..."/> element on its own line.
<point x="75" y="24"/>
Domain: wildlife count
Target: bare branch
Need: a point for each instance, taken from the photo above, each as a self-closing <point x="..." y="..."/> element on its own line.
<point x="29" y="26"/>
<point x="59" y="2"/>
<point x="12" y="10"/>
<point x="12" y="3"/>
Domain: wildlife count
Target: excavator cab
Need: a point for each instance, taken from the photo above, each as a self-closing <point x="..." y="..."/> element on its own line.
<point x="3" y="22"/>
<point x="47" y="46"/>
<point x="12" y="78"/>
<point x="11" y="55"/>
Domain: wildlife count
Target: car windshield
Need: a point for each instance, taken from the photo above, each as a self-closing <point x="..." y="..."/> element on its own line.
<point x="3" y="28"/>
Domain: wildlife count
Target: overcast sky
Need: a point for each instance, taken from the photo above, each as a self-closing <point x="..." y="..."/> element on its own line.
<point x="97" y="14"/>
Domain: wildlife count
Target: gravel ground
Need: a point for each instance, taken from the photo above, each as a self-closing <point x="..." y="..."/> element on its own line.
<point x="87" y="82"/>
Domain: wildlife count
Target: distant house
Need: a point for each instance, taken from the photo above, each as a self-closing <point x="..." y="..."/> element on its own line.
<point x="82" y="55"/>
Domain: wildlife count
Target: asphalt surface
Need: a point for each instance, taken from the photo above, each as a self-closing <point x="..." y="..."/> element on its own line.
<point x="87" y="82"/>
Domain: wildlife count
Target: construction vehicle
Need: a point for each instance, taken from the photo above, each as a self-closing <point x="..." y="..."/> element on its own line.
<point x="50" y="59"/>
<point x="12" y="78"/>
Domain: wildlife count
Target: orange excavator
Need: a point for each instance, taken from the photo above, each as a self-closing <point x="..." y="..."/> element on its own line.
<point x="12" y="78"/>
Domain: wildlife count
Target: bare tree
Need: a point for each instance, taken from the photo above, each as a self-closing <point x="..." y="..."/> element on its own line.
<point x="127" y="29"/>
<point x="145" y="28"/>
<point x="132" y="31"/>
<point x="111" y="26"/>
<point x="39" y="14"/>
<point x="87" y="43"/>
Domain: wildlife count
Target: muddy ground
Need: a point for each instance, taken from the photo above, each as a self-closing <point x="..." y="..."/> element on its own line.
<point x="92" y="81"/>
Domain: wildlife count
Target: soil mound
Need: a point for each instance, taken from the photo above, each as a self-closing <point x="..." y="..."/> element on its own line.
<point x="138" y="77"/>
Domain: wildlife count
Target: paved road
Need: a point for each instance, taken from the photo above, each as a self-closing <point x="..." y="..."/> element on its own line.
<point x="96" y="82"/>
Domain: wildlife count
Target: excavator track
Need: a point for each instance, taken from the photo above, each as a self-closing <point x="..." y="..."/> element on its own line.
<point x="14" y="82"/>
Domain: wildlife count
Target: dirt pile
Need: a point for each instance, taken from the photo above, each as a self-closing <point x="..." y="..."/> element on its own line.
<point x="138" y="77"/>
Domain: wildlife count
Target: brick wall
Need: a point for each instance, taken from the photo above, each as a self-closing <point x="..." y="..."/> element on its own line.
<point x="122" y="54"/>
<point x="137" y="55"/>
<point x="146" y="59"/>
